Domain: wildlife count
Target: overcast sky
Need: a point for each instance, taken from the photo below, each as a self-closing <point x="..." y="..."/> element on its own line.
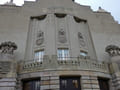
<point x="112" y="6"/>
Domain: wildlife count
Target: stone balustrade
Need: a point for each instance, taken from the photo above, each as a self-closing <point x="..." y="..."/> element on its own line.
<point x="31" y="64"/>
<point x="71" y="64"/>
<point x="83" y="64"/>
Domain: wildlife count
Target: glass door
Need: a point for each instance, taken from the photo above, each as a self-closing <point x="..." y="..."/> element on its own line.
<point x="103" y="84"/>
<point x="31" y="84"/>
<point x="70" y="83"/>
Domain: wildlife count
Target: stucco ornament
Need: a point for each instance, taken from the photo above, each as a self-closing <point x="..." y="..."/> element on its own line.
<point x="62" y="36"/>
<point x="40" y="38"/>
<point x="113" y="50"/>
<point x="60" y="15"/>
<point x="81" y="39"/>
<point x="78" y="20"/>
<point x="8" y="47"/>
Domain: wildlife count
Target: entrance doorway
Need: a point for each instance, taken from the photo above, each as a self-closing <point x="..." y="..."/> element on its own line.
<point x="70" y="83"/>
<point x="33" y="84"/>
<point x="103" y="83"/>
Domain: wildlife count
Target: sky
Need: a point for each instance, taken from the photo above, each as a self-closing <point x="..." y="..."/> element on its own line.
<point x="112" y="6"/>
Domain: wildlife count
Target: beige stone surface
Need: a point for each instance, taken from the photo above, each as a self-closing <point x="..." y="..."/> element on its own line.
<point x="99" y="29"/>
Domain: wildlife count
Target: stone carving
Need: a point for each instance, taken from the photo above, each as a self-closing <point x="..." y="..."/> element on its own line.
<point x="113" y="50"/>
<point x="40" y="38"/>
<point x="78" y="20"/>
<point x="60" y="15"/>
<point x="42" y="17"/>
<point x="8" y="47"/>
<point x="81" y="39"/>
<point x="4" y="67"/>
<point x="80" y="35"/>
<point x="62" y="36"/>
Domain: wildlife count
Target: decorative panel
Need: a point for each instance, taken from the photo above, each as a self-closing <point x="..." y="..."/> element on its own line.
<point x="61" y="27"/>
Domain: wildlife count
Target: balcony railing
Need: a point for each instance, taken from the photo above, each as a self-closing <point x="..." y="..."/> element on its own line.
<point x="84" y="64"/>
<point x="32" y="64"/>
<point x="71" y="63"/>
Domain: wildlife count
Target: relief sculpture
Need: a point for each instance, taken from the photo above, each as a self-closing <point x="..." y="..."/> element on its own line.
<point x="7" y="50"/>
<point x="40" y="38"/>
<point x="81" y="39"/>
<point x="62" y="36"/>
<point x="8" y="47"/>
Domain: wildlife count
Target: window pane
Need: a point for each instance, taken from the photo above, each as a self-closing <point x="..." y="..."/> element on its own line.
<point x="75" y="83"/>
<point x="39" y="55"/>
<point x="83" y="53"/>
<point x="64" y="83"/>
<point x="63" y="54"/>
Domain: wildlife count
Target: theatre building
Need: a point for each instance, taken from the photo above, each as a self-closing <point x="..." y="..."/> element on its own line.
<point x="58" y="45"/>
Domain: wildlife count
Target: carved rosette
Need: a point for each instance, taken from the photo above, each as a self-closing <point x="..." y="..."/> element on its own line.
<point x="113" y="50"/>
<point x="81" y="40"/>
<point x="40" y="38"/>
<point x="62" y="36"/>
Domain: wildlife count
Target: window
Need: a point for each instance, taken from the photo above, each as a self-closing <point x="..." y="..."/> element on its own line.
<point x="83" y="53"/>
<point x="75" y="83"/>
<point x="63" y="54"/>
<point x="64" y="83"/>
<point x="39" y="55"/>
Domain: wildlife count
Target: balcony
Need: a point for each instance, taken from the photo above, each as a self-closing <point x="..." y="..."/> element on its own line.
<point x="71" y="63"/>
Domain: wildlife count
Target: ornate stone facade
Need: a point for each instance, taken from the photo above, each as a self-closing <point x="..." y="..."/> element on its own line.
<point x="69" y="42"/>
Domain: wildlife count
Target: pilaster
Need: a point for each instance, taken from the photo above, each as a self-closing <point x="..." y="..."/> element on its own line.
<point x="89" y="83"/>
<point x="50" y="83"/>
<point x="114" y="52"/>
